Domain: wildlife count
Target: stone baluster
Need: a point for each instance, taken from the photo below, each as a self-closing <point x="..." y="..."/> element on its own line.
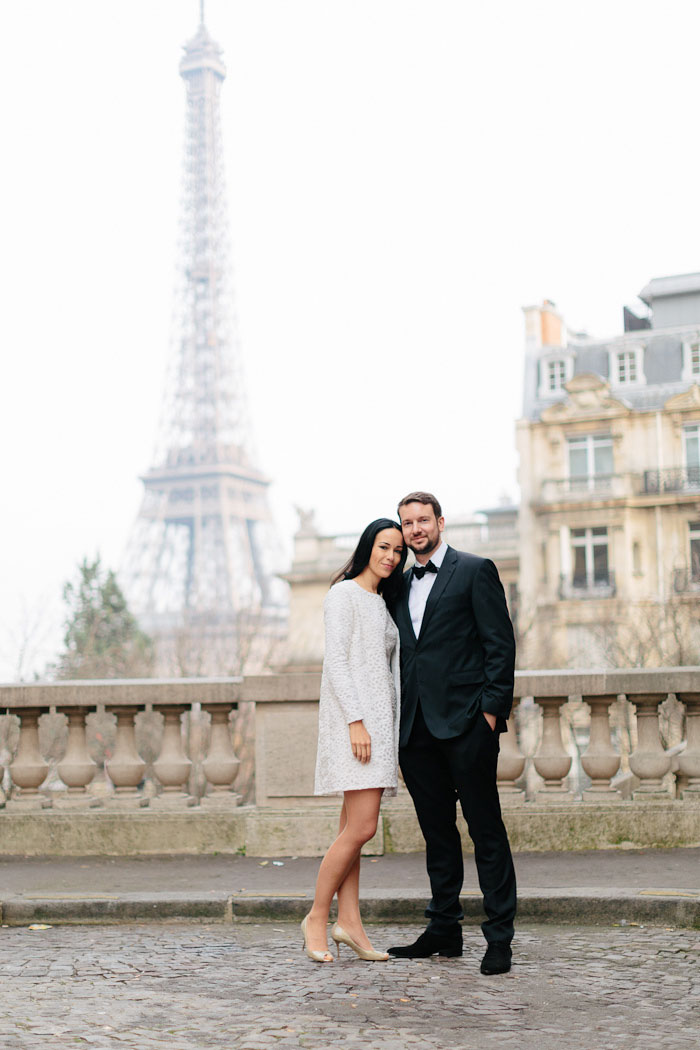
<point x="126" y="767"/>
<point x="76" y="769"/>
<point x="28" y="770"/>
<point x="172" y="766"/>
<point x="511" y="763"/>
<point x="551" y="761"/>
<point x="600" y="760"/>
<point x="649" y="761"/>
<point x="221" y="764"/>
<point x="689" y="760"/>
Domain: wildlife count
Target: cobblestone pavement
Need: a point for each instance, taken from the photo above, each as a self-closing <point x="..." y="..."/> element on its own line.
<point x="249" y="987"/>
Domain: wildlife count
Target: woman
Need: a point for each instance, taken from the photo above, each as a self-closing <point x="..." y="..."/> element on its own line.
<point x="358" y="727"/>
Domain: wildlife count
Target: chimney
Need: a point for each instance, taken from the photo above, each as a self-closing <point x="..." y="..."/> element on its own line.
<point x="543" y="326"/>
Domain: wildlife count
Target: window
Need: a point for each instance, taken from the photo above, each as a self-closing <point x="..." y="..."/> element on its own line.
<point x="554" y="370"/>
<point x="626" y="367"/>
<point x="556" y="375"/>
<point x="589" y="557"/>
<point x="691" y="439"/>
<point x="691" y="361"/>
<point x="694" y="358"/>
<point x="694" y="532"/>
<point x="590" y="461"/>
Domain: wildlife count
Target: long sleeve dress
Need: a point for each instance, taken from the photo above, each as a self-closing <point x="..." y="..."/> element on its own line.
<point x="360" y="680"/>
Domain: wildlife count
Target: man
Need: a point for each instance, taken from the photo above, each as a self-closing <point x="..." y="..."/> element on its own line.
<point x="457" y="666"/>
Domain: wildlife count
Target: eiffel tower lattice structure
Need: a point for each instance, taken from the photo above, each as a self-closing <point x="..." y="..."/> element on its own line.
<point x="199" y="568"/>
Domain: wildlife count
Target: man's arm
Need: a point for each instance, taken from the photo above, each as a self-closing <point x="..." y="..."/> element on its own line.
<point x="497" y="639"/>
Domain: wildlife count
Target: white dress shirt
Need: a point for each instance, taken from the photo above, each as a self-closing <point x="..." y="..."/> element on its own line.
<point x="420" y="589"/>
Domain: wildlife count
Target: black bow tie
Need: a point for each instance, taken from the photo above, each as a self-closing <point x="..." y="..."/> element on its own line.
<point x="419" y="571"/>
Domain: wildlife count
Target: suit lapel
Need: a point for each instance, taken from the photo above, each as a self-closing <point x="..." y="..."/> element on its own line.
<point x="403" y="611"/>
<point x="444" y="573"/>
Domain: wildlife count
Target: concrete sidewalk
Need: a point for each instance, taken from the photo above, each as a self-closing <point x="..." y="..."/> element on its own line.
<point x="605" y="886"/>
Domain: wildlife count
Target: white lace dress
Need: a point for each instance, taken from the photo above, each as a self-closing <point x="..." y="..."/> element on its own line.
<point x="360" y="680"/>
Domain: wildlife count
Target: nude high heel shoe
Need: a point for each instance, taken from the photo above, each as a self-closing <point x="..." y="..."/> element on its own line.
<point x="341" y="936"/>
<point x="322" y="957"/>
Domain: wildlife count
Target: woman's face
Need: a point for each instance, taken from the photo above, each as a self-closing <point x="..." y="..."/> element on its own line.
<point x="386" y="552"/>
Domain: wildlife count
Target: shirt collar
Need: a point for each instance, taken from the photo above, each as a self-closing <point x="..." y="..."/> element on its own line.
<point x="438" y="556"/>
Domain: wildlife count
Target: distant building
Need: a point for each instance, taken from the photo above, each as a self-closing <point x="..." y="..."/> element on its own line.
<point x="609" y="473"/>
<point x="490" y="533"/>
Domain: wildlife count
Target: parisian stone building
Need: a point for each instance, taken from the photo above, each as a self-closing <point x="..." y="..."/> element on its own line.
<point x="317" y="557"/>
<point x="609" y="522"/>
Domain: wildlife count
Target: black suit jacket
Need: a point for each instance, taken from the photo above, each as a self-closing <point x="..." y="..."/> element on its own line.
<point x="463" y="661"/>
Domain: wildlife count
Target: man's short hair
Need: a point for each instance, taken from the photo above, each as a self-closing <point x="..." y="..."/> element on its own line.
<point x="420" y="497"/>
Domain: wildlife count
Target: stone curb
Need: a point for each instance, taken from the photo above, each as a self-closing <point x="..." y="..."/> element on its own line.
<point x="580" y="906"/>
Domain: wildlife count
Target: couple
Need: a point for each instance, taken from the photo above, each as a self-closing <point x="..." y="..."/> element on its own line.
<point x="454" y="692"/>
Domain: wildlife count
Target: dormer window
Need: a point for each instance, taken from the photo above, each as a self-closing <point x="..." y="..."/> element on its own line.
<point x="555" y="369"/>
<point x="556" y="376"/>
<point x="691" y="361"/>
<point x="627" y="366"/>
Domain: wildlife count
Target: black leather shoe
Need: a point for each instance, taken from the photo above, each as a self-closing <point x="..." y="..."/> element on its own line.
<point x="429" y="943"/>
<point x="497" y="959"/>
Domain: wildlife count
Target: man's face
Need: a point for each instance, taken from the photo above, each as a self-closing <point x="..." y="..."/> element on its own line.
<point x="421" y="529"/>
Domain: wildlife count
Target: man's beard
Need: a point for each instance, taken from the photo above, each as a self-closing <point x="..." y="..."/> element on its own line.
<point x="425" y="550"/>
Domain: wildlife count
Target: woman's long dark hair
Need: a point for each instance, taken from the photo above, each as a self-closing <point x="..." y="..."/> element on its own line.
<point x="359" y="560"/>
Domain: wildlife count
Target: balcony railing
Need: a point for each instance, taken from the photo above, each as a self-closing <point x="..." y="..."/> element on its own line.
<point x="485" y="538"/>
<point x="593" y="486"/>
<point x="672" y="479"/>
<point x="571" y="587"/>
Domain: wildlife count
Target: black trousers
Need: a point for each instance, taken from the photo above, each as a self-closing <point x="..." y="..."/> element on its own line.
<point x="437" y="773"/>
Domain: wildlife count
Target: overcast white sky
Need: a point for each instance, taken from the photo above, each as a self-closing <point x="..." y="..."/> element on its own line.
<point x="403" y="177"/>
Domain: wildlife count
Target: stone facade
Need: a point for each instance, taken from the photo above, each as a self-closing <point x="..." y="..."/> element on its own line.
<point x="610" y="483"/>
<point x="491" y="533"/>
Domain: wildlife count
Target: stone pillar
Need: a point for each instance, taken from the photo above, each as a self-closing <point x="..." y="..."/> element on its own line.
<point x="689" y="760"/>
<point x="511" y="763"/>
<point x="76" y="769"/>
<point x="551" y="760"/>
<point x="649" y="762"/>
<point x="600" y="760"/>
<point x="172" y="766"/>
<point x="28" y="770"/>
<point x="221" y="764"/>
<point x="126" y="767"/>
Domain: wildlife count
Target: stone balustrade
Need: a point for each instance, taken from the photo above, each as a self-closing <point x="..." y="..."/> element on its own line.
<point x="125" y="767"/>
<point x="586" y="742"/>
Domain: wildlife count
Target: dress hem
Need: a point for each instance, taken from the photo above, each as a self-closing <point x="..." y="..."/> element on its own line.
<point x="389" y="792"/>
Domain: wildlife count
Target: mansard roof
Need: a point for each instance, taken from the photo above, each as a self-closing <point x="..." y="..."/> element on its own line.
<point x="662" y="365"/>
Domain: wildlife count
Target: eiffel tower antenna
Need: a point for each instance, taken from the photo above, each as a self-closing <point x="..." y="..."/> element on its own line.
<point x="201" y="12"/>
<point x="200" y="560"/>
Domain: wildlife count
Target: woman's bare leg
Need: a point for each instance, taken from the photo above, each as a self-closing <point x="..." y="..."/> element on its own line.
<point x="361" y="809"/>
<point x="348" y="894"/>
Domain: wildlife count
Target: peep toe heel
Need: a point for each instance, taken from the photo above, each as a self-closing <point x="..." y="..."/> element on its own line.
<point x="320" y="957"/>
<point x="341" y="936"/>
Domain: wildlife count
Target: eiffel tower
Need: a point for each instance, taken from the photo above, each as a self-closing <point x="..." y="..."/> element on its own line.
<point x="199" y="567"/>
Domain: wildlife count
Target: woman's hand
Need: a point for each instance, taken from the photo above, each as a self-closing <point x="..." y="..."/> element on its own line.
<point x="360" y="741"/>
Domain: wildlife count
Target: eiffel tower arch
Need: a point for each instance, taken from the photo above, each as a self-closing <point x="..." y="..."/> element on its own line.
<point x="199" y="570"/>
